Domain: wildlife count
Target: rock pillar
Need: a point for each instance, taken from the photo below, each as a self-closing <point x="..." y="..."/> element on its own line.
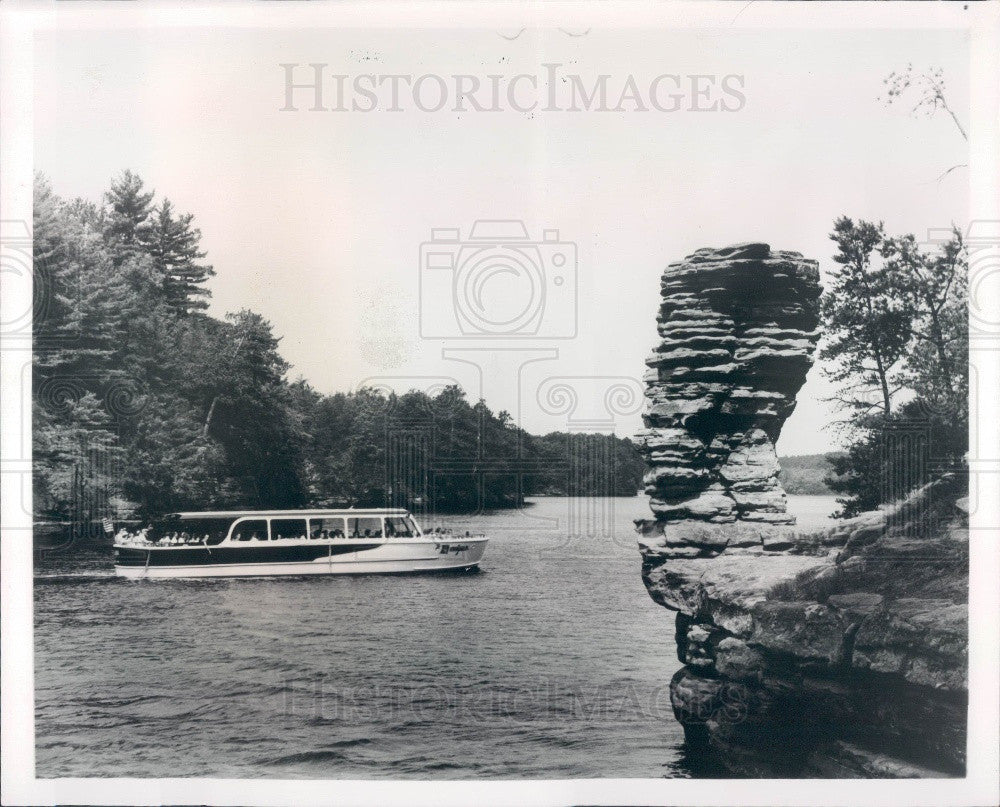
<point x="738" y="327"/>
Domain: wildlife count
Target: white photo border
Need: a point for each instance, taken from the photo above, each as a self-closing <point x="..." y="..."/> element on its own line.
<point x="18" y="24"/>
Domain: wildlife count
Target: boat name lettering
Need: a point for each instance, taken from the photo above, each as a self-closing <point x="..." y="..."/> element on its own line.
<point x="446" y="548"/>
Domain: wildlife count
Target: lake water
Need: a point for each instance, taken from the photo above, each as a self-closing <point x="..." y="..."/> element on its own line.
<point x="551" y="662"/>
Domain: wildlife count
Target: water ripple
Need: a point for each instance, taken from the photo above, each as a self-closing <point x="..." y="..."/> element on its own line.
<point x="548" y="664"/>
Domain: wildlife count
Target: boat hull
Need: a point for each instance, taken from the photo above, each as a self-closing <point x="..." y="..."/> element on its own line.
<point x="270" y="559"/>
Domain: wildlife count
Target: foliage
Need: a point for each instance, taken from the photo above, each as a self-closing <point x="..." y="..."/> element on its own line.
<point x="897" y="339"/>
<point x="895" y="454"/>
<point x="926" y="94"/>
<point x="589" y="464"/>
<point x="173" y="245"/>
<point x="144" y="401"/>
<point x="867" y="316"/>
<point x="374" y="448"/>
<point x="927" y="88"/>
<point x="806" y="474"/>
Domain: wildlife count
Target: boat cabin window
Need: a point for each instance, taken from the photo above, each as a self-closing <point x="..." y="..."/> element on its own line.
<point x="250" y="530"/>
<point x="284" y="528"/>
<point x="327" y="528"/>
<point x="399" y="527"/>
<point x="368" y="527"/>
<point x="188" y="530"/>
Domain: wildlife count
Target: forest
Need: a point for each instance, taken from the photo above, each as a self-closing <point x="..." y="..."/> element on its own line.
<point x="143" y="403"/>
<point x="896" y="342"/>
<point x="807" y="474"/>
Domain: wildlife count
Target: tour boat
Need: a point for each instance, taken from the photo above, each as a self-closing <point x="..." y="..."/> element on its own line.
<point x="291" y="542"/>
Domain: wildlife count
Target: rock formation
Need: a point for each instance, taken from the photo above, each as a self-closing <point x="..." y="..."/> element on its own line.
<point x="738" y="329"/>
<point x="835" y="653"/>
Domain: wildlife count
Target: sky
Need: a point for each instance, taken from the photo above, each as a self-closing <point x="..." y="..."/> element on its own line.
<point x="316" y="219"/>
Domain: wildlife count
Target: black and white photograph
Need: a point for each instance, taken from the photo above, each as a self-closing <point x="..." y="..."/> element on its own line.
<point x="517" y="404"/>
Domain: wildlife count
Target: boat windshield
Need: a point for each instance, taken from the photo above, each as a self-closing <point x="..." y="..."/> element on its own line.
<point x="203" y="530"/>
<point x="400" y="527"/>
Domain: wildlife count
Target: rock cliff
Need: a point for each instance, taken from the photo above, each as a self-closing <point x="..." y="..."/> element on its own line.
<point x="833" y="653"/>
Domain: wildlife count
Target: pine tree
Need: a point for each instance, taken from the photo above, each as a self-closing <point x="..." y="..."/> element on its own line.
<point x="900" y="324"/>
<point x="174" y="249"/>
<point x="126" y="227"/>
<point x="52" y="287"/>
<point x="936" y="285"/>
<point x="76" y="455"/>
<point x="867" y="317"/>
<point x="250" y="415"/>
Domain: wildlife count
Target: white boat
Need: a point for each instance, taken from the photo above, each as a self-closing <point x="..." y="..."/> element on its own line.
<point x="291" y="542"/>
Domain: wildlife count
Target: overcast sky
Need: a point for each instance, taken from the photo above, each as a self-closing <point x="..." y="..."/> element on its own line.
<point x="315" y="219"/>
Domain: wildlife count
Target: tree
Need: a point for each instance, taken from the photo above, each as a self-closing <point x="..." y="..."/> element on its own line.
<point x="928" y="89"/>
<point x="89" y="299"/>
<point x="867" y="317"/>
<point x="935" y="283"/>
<point x="173" y="245"/>
<point x="250" y="416"/>
<point x="76" y="456"/>
<point x="904" y="324"/>
<point x="142" y="395"/>
<point x="893" y="454"/>
<point x="126" y="227"/>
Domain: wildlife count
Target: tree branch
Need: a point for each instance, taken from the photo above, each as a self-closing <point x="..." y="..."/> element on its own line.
<point x="953" y="168"/>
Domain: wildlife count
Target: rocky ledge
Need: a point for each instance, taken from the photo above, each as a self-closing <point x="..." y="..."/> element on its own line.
<point x="840" y="652"/>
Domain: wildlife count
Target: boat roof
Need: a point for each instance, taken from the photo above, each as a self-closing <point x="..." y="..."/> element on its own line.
<point x="382" y="511"/>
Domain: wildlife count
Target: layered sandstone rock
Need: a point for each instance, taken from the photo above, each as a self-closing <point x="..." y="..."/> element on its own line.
<point x="738" y="329"/>
<point x="843" y="655"/>
<point x="832" y="653"/>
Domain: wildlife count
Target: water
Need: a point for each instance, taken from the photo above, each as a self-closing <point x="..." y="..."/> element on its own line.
<point x="813" y="512"/>
<point x="551" y="662"/>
